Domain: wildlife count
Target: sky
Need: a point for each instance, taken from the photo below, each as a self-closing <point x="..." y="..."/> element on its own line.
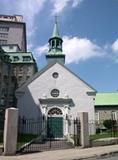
<point x="89" y="29"/>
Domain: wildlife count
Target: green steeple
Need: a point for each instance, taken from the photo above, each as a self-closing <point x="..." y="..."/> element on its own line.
<point x="55" y="30"/>
<point x="55" y="46"/>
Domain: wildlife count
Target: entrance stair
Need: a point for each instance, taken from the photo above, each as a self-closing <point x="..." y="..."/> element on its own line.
<point x="45" y="145"/>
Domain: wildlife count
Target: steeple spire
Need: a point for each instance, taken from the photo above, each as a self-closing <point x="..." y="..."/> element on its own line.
<point x="55" y="30"/>
<point x="55" y="42"/>
<point x="55" y="46"/>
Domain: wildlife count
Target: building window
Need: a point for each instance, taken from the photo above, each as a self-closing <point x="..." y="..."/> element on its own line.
<point x="27" y="77"/>
<point x="3" y="92"/>
<point x="4" y="29"/>
<point x="55" y="111"/>
<point x="16" y="58"/>
<point x="11" y="47"/>
<point x="3" y="41"/>
<point x="55" y="75"/>
<point x="26" y="58"/>
<point x="19" y="78"/>
<point x="5" y="79"/>
<point x="113" y="115"/>
<point x="97" y="117"/>
<point x="55" y="93"/>
<point x="4" y="35"/>
<point x="21" y="69"/>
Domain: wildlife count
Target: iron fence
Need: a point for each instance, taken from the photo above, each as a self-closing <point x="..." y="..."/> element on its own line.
<point x="50" y="134"/>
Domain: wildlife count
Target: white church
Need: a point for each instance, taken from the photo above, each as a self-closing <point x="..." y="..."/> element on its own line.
<point x="55" y="92"/>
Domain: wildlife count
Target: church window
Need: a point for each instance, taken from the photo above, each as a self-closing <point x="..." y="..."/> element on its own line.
<point x="114" y="115"/>
<point x="55" y="75"/>
<point x="26" y="58"/>
<point x="16" y="58"/>
<point x="55" y="93"/>
<point x="55" y="111"/>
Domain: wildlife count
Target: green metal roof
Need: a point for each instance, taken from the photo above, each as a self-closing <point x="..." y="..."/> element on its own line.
<point x="21" y="57"/>
<point x="106" y="99"/>
<point x="55" y="52"/>
<point x="55" y="31"/>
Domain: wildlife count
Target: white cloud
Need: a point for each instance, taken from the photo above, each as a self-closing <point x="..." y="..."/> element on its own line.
<point x="115" y="46"/>
<point x="40" y="50"/>
<point x="76" y="49"/>
<point x="29" y="9"/>
<point x="60" y="5"/>
<point x="76" y="3"/>
<point x="29" y="46"/>
<point x="80" y="49"/>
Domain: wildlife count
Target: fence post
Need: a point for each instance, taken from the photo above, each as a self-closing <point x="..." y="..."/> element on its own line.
<point x="84" y="131"/>
<point x="10" y="131"/>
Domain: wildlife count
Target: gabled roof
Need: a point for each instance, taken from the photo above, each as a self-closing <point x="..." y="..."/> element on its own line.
<point x="106" y="99"/>
<point x="46" y="68"/>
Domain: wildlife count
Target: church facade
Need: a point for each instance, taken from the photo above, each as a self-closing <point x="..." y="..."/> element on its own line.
<point x="55" y="92"/>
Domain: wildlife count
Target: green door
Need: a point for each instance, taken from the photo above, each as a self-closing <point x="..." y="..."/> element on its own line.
<point x="55" y="127"/>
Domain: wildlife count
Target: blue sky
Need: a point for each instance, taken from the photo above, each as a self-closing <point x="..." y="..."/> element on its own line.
<point x="89" y="29"/>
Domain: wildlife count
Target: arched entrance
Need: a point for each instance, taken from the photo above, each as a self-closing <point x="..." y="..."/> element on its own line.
<point x="55" y="123"/>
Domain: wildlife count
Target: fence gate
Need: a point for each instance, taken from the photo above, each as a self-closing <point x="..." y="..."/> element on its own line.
<point x="53" y="133"/>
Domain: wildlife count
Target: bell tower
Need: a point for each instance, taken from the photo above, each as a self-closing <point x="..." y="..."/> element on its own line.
<point x="55" y="52"/>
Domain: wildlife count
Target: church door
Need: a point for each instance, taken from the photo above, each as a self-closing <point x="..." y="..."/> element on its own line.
<point x="55" y="124"/>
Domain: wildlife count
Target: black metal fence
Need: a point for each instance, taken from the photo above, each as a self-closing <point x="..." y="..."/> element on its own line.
<point x="50" y="134"/>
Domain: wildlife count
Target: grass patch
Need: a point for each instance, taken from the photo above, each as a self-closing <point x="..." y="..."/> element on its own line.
<point x="103" y="135"/>
<point x="25" y="138"/>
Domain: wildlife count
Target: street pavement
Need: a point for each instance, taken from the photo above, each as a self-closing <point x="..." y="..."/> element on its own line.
<point x="67" y="154"/>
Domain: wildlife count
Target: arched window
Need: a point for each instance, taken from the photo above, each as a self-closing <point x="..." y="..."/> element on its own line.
<point x="55" y="111"/>
<point x="53" y="43"/>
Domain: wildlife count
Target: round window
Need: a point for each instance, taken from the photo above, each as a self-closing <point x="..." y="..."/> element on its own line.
<point x="55" y="75"/>
<point x="55" y="93"/>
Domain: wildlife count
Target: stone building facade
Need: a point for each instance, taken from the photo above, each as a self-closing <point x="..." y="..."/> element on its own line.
<point x="106" y="106"/>
<point x="13" y="31"/>
<point x="22" y="64"/>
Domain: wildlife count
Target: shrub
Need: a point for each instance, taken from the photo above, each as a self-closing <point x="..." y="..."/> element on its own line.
<point x="109" y="123"/>
<point x="97" y="130"/>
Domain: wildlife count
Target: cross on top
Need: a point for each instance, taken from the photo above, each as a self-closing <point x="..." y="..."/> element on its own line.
<point x="56" y="18"/>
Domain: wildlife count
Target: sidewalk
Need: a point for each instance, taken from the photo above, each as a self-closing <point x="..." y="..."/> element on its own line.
<point x="68" y="154"/>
